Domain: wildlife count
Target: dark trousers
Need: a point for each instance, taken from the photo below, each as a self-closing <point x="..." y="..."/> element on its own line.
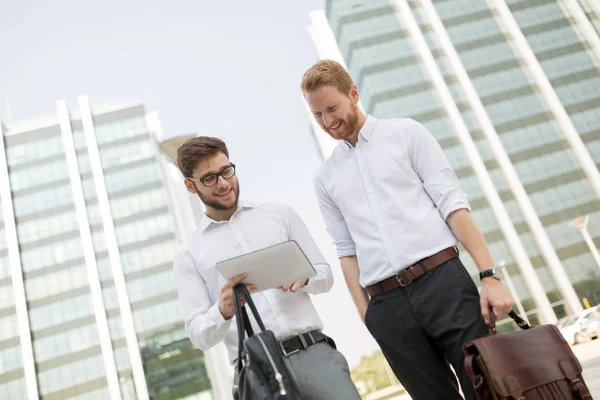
<point x="421" y="329"/>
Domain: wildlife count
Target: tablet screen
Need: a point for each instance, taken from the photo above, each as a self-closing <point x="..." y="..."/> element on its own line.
<point x="270" y="267"/>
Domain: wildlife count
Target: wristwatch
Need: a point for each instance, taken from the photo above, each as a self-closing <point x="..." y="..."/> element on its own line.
<point x="489" y="273"/>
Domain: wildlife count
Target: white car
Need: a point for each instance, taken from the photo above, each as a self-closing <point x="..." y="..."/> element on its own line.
<point x="580" y="328"/>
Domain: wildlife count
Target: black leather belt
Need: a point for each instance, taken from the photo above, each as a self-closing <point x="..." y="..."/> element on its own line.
<point x="296" y="343"/>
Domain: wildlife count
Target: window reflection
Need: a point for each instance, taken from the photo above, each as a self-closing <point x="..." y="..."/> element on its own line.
<point x="109" y="132"/>
<point x="43" y="200"/>
<point x="22" y="153"/>
<point x="172" y="364"/>
<point x="51" y="254"/>
<point x="65" y="343"/>
<point x="75" y="373"/>
<point x="10" y="359"/>
<point x="56" y="282"/>
<point x="60" y="312"/>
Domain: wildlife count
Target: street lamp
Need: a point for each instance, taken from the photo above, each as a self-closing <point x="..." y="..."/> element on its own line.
<point x="513" y="292"/>
<point x="581" y="224"/>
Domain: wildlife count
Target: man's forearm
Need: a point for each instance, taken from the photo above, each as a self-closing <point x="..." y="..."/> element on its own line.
<point x="466" y="231"/>
<point x="351" y="275"/>
<point x="322" y="282"/>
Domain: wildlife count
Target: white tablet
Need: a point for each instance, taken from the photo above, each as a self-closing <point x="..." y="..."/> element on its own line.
<point x="270" y="267"/>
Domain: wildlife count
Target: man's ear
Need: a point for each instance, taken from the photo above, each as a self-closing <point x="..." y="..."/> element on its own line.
<point x="354" y="94"/>
<point x="189" y="185"/>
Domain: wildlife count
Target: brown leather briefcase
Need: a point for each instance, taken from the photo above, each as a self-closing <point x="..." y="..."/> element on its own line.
<point x="535" y="363"/>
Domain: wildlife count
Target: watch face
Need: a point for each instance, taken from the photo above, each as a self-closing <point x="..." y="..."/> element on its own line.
<point x="496" y="272"/>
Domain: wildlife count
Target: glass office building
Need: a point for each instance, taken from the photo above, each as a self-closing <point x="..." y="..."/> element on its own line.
<point x="511" y="90"/>
<point x="88" y="307"/>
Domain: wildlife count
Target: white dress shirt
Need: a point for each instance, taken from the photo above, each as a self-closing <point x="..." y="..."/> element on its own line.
<point x="252" y="227"/>
<point x="387" y="199"/>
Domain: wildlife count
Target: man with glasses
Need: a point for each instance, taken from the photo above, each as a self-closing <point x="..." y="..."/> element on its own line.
<point x="396" y="212"/>
<point x="232" y="227"/>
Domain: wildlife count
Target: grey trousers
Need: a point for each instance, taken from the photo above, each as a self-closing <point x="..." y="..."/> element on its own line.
<point x="322" y="373"/>
<point x="421" y="329"/>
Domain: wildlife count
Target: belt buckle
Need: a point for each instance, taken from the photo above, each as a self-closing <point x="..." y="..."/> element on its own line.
<point x="397" y="276"/>
<point x="285" y="352"/>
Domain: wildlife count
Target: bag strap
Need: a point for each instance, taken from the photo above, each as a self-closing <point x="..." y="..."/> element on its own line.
<point x="241" y="317"/>
<point x="247" y="324"/>
<point x="241" y="320"/>
<point x="244" y="292"/>
<point x="515" y="317"/>
<point x="518" y="320"/>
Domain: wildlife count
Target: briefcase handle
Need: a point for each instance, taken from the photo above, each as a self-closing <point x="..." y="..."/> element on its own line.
<point x="244" y="292"/>
<point x="242" y="320"/>
<point x="518" y="320"/>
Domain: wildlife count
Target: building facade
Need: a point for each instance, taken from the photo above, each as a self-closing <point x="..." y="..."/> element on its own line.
<point x="88" y="307"/>
<point x="511" y="91"/>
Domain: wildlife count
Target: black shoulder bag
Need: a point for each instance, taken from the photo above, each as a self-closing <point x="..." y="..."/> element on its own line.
<point x="263" y="374"/>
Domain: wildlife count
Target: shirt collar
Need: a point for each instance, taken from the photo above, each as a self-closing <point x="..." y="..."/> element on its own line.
<point x="206" y="221"/>
<point x="368" y="127"/>
<point x="366" y="131"/>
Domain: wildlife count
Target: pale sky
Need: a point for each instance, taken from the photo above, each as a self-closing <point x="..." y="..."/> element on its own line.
<point x="225" y="68"/>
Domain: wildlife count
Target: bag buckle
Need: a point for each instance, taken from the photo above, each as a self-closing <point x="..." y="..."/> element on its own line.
<point x="575" y="384"/>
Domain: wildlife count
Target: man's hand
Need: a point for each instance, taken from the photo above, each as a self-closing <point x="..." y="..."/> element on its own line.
<point x="495" y="295"/>
<point x="226" y="304"/>
<point x="294" y="287"/>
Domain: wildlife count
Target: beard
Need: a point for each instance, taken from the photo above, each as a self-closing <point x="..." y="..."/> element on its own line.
<point x="217" y="204"/>
<point x="349" y="125"/>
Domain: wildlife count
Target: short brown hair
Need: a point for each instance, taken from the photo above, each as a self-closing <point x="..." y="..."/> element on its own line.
<point x="190" y="153"/>
<point x="326" y="72"/>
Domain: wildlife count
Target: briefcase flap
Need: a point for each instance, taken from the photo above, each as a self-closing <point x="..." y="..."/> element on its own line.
<point x="525" y="359"/>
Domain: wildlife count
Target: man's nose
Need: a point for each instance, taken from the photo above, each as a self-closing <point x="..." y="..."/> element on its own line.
<point x="222" y="182"/>
<point x="328" y="119"/>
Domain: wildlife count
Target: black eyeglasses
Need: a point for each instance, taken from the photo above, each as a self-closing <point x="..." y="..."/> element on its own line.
<point x="212" y="179"/>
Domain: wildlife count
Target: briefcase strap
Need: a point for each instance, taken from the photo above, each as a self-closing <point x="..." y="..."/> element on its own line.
<point x="477" y="379"/>
<point x="244" y="292"/>
<point x="244" y="327"/>
<point x="518" y="320"/>
<point x="240" y="320"/>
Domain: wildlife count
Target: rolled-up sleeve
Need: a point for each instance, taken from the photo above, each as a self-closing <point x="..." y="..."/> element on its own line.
<point x="334" y="221"/>
<point x="430" y="163"/>
<point x="204" y="323"/>
<point x="323" y="281"/>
